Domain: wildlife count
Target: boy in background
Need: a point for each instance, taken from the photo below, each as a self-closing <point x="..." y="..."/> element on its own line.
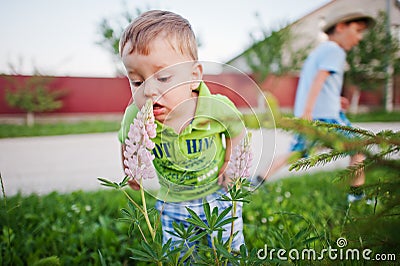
<point x="318" y="95"/>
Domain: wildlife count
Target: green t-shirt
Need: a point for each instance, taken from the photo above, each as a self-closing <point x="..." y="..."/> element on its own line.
<point x="188" y="164"/>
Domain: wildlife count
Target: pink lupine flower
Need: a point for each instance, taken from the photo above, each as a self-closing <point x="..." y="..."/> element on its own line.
<point x="138" y="157"/>
<point x="240" y="161"/>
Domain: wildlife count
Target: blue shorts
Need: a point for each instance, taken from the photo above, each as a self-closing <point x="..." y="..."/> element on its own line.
<point x="176" y="212"/>
<point x="301" y="144"/>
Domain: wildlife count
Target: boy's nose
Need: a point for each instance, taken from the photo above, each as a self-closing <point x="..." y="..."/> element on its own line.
<point x="150" y="88"/>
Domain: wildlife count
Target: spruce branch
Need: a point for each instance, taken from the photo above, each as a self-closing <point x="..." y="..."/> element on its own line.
<point x="318" y="159"/>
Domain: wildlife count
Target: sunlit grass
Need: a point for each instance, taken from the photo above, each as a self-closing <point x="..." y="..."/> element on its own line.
<point x="282" y="214"/>
<point x="11" y="131"/>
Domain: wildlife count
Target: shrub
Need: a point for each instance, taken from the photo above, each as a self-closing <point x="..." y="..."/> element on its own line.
<point x="33" y="96"/>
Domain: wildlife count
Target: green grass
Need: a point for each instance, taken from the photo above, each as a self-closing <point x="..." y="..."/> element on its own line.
<point x="376" y="116"/>
<point x="11" y="131"/>
<point x="74" y="227"/>
<point x="254" y="121"/>
<point x="298" y="212"/>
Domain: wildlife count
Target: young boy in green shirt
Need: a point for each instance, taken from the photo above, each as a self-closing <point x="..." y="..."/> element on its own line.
<point x="159" y="52"/>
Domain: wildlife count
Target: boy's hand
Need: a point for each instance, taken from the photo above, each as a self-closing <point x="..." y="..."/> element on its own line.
<point x="307" y="115"/>
<point x="344" y="103"/>
<point x="223" y="180"/>
<point x="133" y="184"/>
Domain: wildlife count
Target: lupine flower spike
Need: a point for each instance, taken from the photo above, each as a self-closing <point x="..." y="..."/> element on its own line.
<point x="138" y="157"/>
<point x="240" y="161"/>
<point x="237" y="170"/>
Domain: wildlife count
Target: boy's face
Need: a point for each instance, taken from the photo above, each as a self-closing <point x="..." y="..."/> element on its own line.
<point x="349" y="35"/>
<point x="165" y="76"/>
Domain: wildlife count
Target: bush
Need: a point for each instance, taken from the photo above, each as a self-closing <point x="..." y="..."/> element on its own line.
<point x="33" y="96"/>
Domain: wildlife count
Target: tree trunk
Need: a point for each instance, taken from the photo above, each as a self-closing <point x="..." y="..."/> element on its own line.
<point x="355" y="98"/>
<point x="30" y="119"/>
<point x="389" y="66"/>
<point x="389" y="90"/>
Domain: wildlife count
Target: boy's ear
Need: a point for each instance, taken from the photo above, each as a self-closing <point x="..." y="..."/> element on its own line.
<point x="197" y="75"/>
<point x="340" y="26"/>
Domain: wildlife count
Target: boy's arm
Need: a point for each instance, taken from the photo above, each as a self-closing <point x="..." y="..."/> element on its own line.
<point x="230" y="145"/>
<point x="316" y="87"/>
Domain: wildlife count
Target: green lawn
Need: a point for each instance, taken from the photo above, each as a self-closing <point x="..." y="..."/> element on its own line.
<point x="376" y="116"/>
<point x="10" y="131"/>
<point x="299" y="212"/>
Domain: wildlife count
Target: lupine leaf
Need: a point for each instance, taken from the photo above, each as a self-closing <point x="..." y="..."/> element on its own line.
<point x="223" y="214"/>
<point x="198" y="236"/>
<point x="226" y="221"/>
<point x="195" y="219"/>
<point x="188" y="253"/>
<point x="107" y="183"/>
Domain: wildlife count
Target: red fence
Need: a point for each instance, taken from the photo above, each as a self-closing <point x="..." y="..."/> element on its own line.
<point x="82" y="95"/>
<point x="111" y="95"/>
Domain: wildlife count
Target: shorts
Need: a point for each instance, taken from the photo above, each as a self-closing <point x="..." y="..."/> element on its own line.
<point x="301" y="144"/>
<point x="176" y="212"/>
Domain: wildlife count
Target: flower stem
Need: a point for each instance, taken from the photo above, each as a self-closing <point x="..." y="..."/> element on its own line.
<point x="215" y="251"/>
<point x="142" y="210"/>
<point x="145" y="214"/>
<point x="234" y="210"/>
<point x="234" y="203"/>
<point x="134" y="202"/>
<point x="141" y="232"/>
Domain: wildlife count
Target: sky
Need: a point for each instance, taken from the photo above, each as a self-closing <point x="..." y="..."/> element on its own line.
<point x="58" y="37"/>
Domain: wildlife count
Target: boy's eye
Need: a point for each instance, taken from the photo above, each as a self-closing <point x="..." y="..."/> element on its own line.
<point x="164" y="79"/>
<point x="136" y="83"/>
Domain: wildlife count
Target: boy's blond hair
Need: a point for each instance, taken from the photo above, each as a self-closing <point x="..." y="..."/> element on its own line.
<point x="152" y="24"/>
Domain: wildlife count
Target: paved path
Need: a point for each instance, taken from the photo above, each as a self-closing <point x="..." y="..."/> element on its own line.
<point x="73" y="162"/>
<point x="58" y="163"/>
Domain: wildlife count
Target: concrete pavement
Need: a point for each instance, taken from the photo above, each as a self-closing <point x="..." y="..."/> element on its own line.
<point x="58" y="163"/>
<point x="74" y="162"/>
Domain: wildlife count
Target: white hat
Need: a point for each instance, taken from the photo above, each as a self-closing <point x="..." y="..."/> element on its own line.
<point x="336" y="17"/>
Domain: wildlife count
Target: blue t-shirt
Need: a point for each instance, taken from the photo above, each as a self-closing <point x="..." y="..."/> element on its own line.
<point x="327" y="56"/>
